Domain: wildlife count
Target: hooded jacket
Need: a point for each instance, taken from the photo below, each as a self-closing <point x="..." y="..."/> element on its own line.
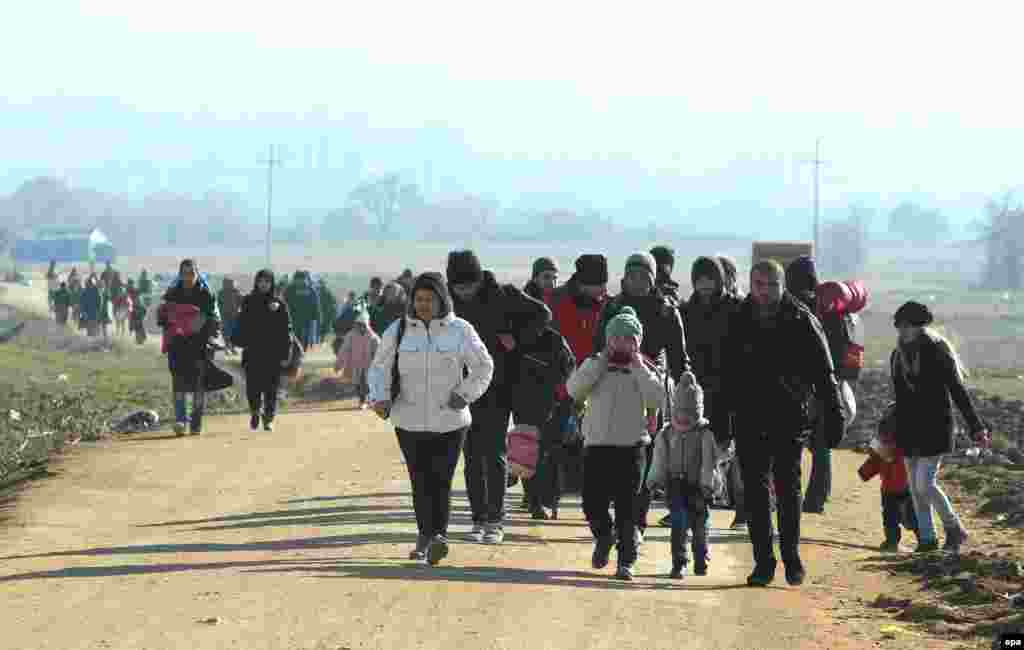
<point x="264" y="334"/>
<point x="502" y="309"/>
<point x="435" y="359"/>
<point x="706" y="322"/>
<point x="303" y="301"/>
<point x="925" y="394"/>
<point x="540" y="367"/>
<point x="184" y="351"/>
<point x="772" y="375"/>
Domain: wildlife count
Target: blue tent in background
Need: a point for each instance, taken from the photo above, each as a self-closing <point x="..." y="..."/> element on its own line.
<point x="65" y="244"/>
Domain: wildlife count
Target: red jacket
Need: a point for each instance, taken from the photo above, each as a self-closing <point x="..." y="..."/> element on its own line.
<point x="575" y="323"/>
<point x="894" y="473"/>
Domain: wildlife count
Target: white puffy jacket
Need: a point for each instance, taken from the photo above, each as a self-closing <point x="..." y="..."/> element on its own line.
<point x="431" y="363"/>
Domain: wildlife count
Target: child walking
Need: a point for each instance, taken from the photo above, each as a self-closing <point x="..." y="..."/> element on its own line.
<point x="886" y="460"/>
<point x="618" y="385"/>
<point x="686" y="465"/>
<point x="355" y="356"/>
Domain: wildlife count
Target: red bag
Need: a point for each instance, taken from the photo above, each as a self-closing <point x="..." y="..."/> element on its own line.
<point x="180" y="319"/>
<point x="523" y="450"/>
<point x="841" y="297"/>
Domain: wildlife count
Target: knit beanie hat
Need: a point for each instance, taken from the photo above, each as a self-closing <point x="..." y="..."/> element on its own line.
<point x="464" y="268"/>
<point x="543" y="265"/>
<point x="644" y="262"/>
<point x="664" y="255"/>
<point x="914" y="314"/>
<point x="625" y="323"/>
<point x="689" y="398"/>
<point x="592" y="270"/>
<point x="801" y="275"/>
<point x="707" y="267"/>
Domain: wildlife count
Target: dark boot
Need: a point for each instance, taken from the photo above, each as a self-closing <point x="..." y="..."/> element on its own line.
<point x="420" y="552"/>
<point x="762" y="576"/>
<point x="602" y="551"/>
<point x="954" y="538"/>
<point x="679" y="559"/>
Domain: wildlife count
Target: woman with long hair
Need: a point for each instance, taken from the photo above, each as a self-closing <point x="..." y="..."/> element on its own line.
<point x="927" y="379"/>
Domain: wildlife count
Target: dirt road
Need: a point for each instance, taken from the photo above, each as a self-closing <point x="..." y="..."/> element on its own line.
<point x="298" y="538"/>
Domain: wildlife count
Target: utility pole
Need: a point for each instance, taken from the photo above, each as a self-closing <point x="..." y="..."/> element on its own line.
<point x="271" y="162"/>
<point x="817" y="162"/>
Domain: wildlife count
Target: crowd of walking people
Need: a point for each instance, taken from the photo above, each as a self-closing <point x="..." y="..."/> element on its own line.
<point x="632" y="398"/>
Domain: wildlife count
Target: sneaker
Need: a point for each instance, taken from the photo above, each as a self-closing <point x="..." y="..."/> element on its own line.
<point x="476" y="534"/>
<point x="554" y="513"/>
<point x="438" y="550"/>
<point x="624" y="572"/>
<point x="268" y="424"/>
<point x="494" y="534"/>
<point x="363" y="406"/>
<point x="602" y="551"/>
<point x="179" y="428"/>
<point x="666" y="521"/>
<point x="738" y="523"/>
<point x="638" y="538"/>
<point x="889" y="547"/>
<point x="679" y="569"/>
<point x="814" y="509"/>
<point x="760" y="577"/>
<point x="538" y="513"/>
<point x="420" y="552"/>
<point x="927" y="547"/>
<point x="795" y="574"/>
<point x="254" y="422"/>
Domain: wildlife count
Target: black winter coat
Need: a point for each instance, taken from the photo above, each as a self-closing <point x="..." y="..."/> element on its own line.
<point x="924" y="405"/>
<point x="707" y="325"/>
<point x="264" y="335"/>
<point x="502" y="309"/>
<point x="535" y="370"/>
<point x="664" y="340"/>
<point x="775" y="379"/>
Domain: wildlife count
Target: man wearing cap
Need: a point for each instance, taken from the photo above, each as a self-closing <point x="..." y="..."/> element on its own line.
<point x="544" y="279"/>
<point x="664" y="341"/>
<point x="665" y="258"/>
<point x="777" y="372"/>
<point x="503" y="316"/>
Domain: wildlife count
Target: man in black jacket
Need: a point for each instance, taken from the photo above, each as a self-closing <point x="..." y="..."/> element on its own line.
<point x="503" y="316"/>
<point x="544" y="279"/>
<point x="665" y="258"/>
<point x="664" y="342"/>
<point x="778" y="370"/>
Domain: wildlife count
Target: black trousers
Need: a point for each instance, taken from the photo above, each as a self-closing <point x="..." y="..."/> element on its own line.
<point x="762" y="456"/>
<point x="486" y="468"/>
<point x="261" y="387"/>
<point x="431" y="459"/>
<point x="614" y="474"/>
<point x="897" y="512"/>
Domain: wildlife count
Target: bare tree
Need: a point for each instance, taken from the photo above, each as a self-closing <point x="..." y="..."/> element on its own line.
<point x="845" y="243"/>
<point x="1003" y="236"/>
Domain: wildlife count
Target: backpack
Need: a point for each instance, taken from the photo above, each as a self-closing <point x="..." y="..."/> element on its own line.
<point x="396" y="377"/>
<point x="845" y="335"/>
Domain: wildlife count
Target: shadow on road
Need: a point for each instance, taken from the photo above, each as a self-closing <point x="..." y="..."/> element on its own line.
<point x="496" y="575"/>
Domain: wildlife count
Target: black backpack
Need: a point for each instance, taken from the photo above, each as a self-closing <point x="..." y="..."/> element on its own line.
<point x="845" y="335"/>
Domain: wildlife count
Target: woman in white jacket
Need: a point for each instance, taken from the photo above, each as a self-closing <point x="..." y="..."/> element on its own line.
<point x="442" y="366"/>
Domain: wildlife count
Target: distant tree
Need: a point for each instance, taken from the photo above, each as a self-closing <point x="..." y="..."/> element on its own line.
<point x="845" y="243"/>
<point x="915" y="224"/>
<point x="385" y="197"/>
<point x="1002" y="232"/>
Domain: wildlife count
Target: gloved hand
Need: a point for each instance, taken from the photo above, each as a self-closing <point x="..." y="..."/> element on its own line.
<point x="457" y="402"/>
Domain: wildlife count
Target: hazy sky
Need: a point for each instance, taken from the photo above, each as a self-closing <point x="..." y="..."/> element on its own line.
<point x="909" y="96"/>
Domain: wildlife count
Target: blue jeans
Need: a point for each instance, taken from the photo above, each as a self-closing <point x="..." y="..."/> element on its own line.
<point x="922" y="471"/>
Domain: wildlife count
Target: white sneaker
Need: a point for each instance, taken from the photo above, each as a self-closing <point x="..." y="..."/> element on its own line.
<point x="179" y="428"/>
<point x="494" y="534"/>
<point x="477" y="534"/>
<point x="638" y="538"/>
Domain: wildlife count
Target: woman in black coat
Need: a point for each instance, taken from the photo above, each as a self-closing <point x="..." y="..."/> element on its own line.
<point x="928" y="378"/>
<point x="264" y="331"/>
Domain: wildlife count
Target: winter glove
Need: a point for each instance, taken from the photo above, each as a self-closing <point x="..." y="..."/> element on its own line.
<point x="457" y="402"/>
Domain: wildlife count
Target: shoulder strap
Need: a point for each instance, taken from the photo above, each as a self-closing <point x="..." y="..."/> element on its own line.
<point x="396" y="378"/>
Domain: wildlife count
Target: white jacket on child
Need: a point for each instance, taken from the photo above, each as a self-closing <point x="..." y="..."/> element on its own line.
<point x="432" y="360"/>
<point x="618" y="401"/>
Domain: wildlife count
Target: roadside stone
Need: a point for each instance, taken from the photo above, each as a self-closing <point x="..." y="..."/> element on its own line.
<point x="888" y="602"/>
